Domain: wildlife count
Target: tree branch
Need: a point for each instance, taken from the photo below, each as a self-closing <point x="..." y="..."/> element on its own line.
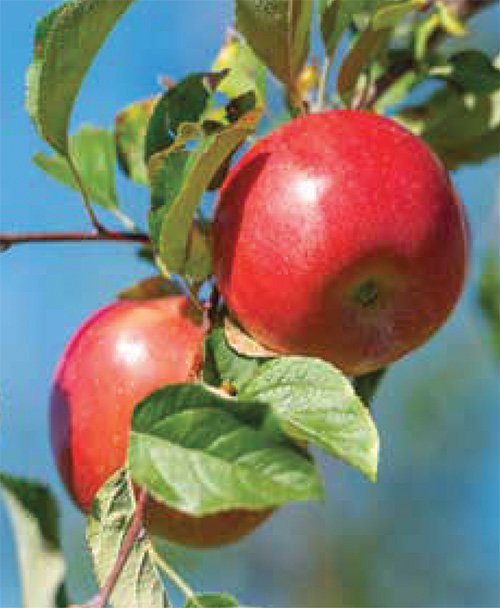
<point x="8" y="239"/>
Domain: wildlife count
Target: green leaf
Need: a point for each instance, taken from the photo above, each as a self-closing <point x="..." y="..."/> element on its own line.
<point x="461" y="128"/>
<point x="139" y="584"/>
<point x="246" y="72"/>
<point x="336" y="16"/>
<point x="391" y="15"/>
<point x="152" y="287"/>
<point x="66" y="42"/>
<point x="449" y="20"/>
<point x="489" y="296"/>
<point x="34" y="516"/>
<point x="365" y="49"/>
<point x="224" y="365"/>
<point x="473" y="71"/>
<point x="131" y="126"/>
<point x="200" y="451"/>
<point x="179" y="180"/>
<point x="212" y="600"/>
<point x="316" y="403"/>
<point x="93" y="152"/>
<point x="278" y="31"/>
<point x="185" y="102"/>
<point x="366" y="385"/>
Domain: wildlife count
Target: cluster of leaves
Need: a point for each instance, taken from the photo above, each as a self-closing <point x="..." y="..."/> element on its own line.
<point x="236" y="438"/>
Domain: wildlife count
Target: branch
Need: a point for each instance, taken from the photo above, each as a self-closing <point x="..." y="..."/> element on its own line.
<point x="8" y="239"/>
<point x="102" y="598"/>
<point x="463" y="9"/>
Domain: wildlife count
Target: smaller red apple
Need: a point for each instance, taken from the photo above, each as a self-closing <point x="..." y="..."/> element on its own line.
<point x="120" y="355"/>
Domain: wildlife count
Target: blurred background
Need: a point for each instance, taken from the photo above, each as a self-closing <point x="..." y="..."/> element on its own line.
<point x="426" y="535"/>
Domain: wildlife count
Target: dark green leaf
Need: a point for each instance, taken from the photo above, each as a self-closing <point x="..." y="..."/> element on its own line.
<point x="336" y="16"/>
<point x="212" y="600"/>
<point x="185" y="102"/>
<point x="201" y="452"/>
<point x="473" y="71"/>
<point x="179" y="180"/>
<point x="224" y="365"/>
<point x="315" y="402"/>
<point x="139" y="584"/>
<point x="489" y="295"/>
<point x="246" y="72"/>
<point x="34" y="516"/>
<point x="366" y="385"/>
<point x="461" y="128"/>
<point x="130" y="135"/>
<point x="93" y="152"/>
<point x="278" y="32"/>
<point x="365" y="49"/>
<point x="66" y="43"/>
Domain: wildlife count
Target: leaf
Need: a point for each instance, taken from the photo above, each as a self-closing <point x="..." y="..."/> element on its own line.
<point x="449" y="21"/>
<point x="180" y="198"/>
<point x="489" y="296"/>
<point x="224" y="365"/>
<point x="366" y="48"/>
<point x="93" y="152"/>
<point x="336" y="16"/>
<point x="391" y="14"/>
<point x="316" y="403"/>
<point x="152" y="287"/>
<point x="461" y="128"/>
<point x="366" y="385"/>
<point x="278" y="32"/>
<point x="246" y="72"/>
<point x="184" y="102"/>
<point x="244" y="344"/>
<point x="200" y="451"/>
<point x="212" y="600"/>
<point x="66" y="43"/>
<point x="35" y="521"/>
<point x="131" y="126"/>
<point x="139" y="584"/>
<point x="473" y="71"/>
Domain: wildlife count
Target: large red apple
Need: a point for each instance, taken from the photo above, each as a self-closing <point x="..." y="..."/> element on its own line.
<point x="117" y="357"/>
<point x="340" y="236"/>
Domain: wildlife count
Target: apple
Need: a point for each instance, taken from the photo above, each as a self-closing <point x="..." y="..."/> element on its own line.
<point x="119" y="355"/>
<point x="339" y="235"/>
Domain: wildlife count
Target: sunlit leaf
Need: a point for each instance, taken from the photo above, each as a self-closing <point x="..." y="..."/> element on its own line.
<point x="139" y="584"/>
<point x="34" y="516"/>
<point x="212" y="600"/>
<point x="66" y="42"/>
<point x="316" y="403"/>
<point x="93" y="152"/>
<point x="130" y="135"/>
<point x="152" y="287"/>
<point x="391" y="14"/>
<point x="200" y="451"/>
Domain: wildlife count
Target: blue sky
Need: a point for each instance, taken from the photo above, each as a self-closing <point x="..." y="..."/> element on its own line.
<point x="437" y="499"/>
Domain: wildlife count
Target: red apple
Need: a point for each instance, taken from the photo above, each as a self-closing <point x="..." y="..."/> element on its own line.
<point x="120" y="355"/>
<point x="340" y="236"/>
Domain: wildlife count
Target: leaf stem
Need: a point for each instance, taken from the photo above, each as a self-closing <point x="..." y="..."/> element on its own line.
<point x="7" y="239"/>
<point x="85" y="197"/>
<point x="323" y="82"/>
<point x="174" y="577"/>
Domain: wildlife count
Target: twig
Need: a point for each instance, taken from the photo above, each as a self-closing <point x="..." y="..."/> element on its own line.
<point x="8" y="239"/>
<point x="135" y="528"/>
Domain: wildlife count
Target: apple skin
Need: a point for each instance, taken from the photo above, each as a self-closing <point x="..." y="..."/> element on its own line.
<point x="339" y="235"/>
<point x="119" y="355"/>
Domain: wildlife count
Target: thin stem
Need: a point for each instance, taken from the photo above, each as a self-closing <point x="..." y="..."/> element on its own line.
<point x="85" y="197"/>
<point x="323" y="83"/>
<point x="135" y="529"/>
<point x="8" y="239"/>
<point x="174" y="577"/>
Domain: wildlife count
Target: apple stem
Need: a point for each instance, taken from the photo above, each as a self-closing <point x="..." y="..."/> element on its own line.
<point x="7" y="239"/>
<point x="133" y="532"/>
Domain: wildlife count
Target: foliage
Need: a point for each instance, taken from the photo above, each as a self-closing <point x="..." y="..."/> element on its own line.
<point x="237" y="436"/>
